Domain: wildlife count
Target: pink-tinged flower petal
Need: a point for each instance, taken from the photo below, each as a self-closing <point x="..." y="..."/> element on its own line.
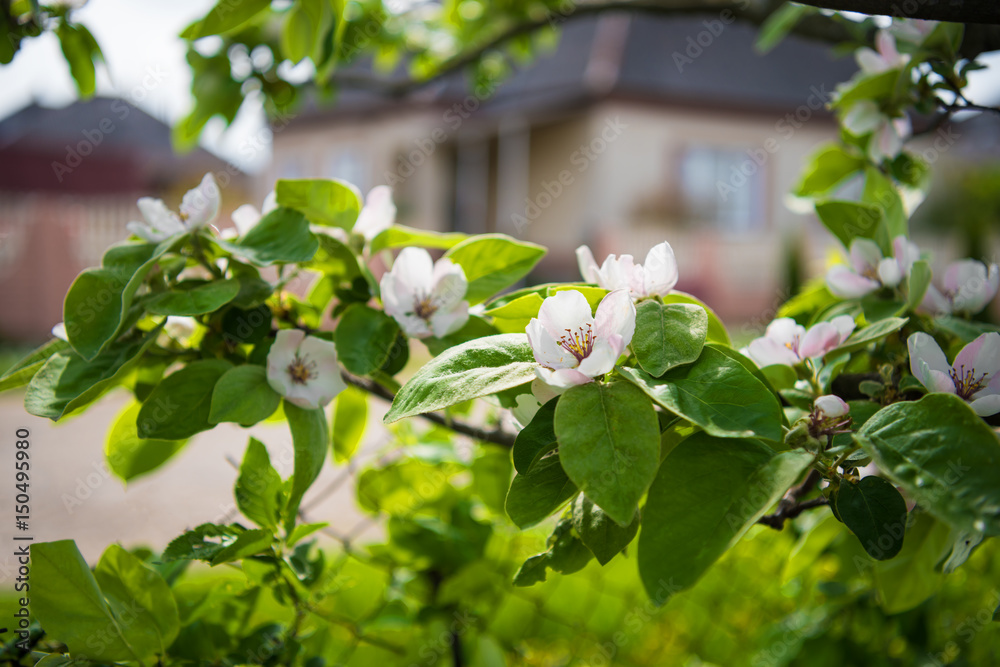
<point x="971" y="285"/>
<point x="565" y="311"/>
<point x="413" y="326"/>
<point x="845" y="326"/>
<point x="617" y="272"/>
<point x="589" y="270"/>
<point x="415" y="269"/>
<point x="865" y="255"/>
<point x="548" y="352"/>
<point x="445" y="322"/>
<point x="768" y="352"/>
<point x="820" y="339"/>
<point x="270" y="203"/>
<point x="863" y="118"/>
<point x="885" y="43"/>
<point x="542" y="392"/>
<point x="935" y="381"/>
<point x="926" y="353"/>
<point x="831" y="406"/>
<point x="846" y="284"/>
<point x="378" y="213"/>
<point x="449" y="284"/>
<point x="784" y="330"/>
<point x="397" y="296"/>
<point x="200" y="205"/>
<point x="563" y="378"/>
<point x="981" y="356"/>
<point x="887" y="142"/>
<point x="869" y="61"/>
<point x="601" y="359"/>
<point x="245" y="218"/>
<point x="615" y="315"/>
<point x="986" y="405"/>
<point x="660" y="270"/>
<point x="889" y="272"/>
<point x="934" y="302"/>
<point x="280" y="357"/>
<point x="906" y="253"/>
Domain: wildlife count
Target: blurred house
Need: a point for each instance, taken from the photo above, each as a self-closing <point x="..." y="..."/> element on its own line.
<point x="69" y="180"/>
<point x="634" y="129"/>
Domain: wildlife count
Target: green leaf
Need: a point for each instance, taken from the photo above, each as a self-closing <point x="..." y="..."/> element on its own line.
<point x="350" y="414"/>
<point x="848" y="220"/>
<point x="302" y="531"/>
<point x="779" y="24"/>
<point x="538" y="493"/>
<point x="668" y="336"/>
<point x="917" y="283"/>
<point x="332" y="203"/>
<point x="225" y="17"/>
<point x="536" y="439"/>
<point x="99" y="299"/>
<point x="514" y="316"/>
<point x="243" y="395"/>
<point x="603" y="537"/>
<point x="249" y="543"/>
<point x="876" y="513"/>
<point x="706" y="496"/>
<point x="476" y="327"/>
<point x="130" y="456"/>
<point x="399" y="236"/>
<point x="828" y="167"/>
<point x="943" y="455"/>
<point x="334" y="259"/>
<point x="80" y="51"/>
<point x="910" y="578"/>
<point x="718" y="394"/>
<point x="194" y="297"/>
<point x="202" y="543"/>
<point x="67" y="601"/>
<point x="364" y="338"/>
<point x="716" y="329"/>
<point x="67" y="381"/>
<point x="310" y="439"/>
<point x="181" y="404"/>
<point x="609" y="444"/>
<point x="297" y="34"/>
<point x="880" y="191"/>
<point x="872" y="333"/>
<point x="493" y="262"/>
<point x="21" y="372"/>
<point x="141" y="598"/>
<point x="966" y="330"/>
<point x="867" y="87"/>
<point x="259" y="487"/>
<point x="477" y="368"/>
<point x="281" y="237"/>
<point x="567" y="554"/>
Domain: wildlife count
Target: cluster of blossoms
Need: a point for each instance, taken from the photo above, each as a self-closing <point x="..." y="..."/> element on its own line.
<point x="968" y="286"/>
<point x="869" y="270"/>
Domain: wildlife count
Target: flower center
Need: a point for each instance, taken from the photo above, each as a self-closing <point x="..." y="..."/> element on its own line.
<point x="301" y="370"/>
<point x="579" y="343"/>
<point x="966" y="383"/>
<point x="793" y="344"/>
<point x="424" y="307"/>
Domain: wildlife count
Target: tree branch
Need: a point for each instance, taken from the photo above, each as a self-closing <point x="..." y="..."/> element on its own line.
<point x="791" y="505"/>
<point x="981" y="35"/>
<point x="496" y="436"/>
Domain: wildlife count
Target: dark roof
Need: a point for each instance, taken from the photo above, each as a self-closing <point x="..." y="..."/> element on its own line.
<point x="117" y="147"/>
<point x="632" y="55"/>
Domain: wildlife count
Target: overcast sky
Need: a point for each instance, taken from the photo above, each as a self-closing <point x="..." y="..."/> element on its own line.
<point x="139" y="40"/>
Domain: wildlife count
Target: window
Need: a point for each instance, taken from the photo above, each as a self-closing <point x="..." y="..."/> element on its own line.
<point x="347" y="164"/>
<point x="724" y="188"/>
